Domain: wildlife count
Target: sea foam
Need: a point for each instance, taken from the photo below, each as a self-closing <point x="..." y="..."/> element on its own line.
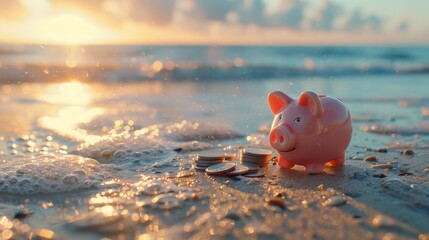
<point x="51" y="174"/>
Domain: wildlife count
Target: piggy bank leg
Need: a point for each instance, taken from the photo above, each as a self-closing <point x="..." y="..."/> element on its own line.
<point x="285" y="163"/>
<point x="337" y="162"/>
<point x="314" y="168"/>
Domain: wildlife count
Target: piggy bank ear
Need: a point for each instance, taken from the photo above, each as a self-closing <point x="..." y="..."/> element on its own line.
<point x="311" y="100"/>
<point x="277" y="101"/>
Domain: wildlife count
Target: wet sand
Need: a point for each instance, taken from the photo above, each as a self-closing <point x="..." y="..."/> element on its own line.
<point x="135" y="194"/>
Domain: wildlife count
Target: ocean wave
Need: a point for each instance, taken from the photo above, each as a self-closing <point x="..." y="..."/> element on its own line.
<point x="420" y="129"/>
<point x="33" y="73"/>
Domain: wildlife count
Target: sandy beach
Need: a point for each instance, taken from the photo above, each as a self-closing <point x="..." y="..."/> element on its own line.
<point x="119" y="164"/>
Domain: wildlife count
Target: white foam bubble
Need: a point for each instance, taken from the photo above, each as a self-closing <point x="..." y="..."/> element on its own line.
<point x="124" y="148"/>
<point x="421" y="128"/>
<point x="51" y="174"/>
<point x="189" y="131"/>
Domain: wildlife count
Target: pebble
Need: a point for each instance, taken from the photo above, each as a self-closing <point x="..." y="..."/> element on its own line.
<point x="408" y="152"/>
<point x="44" y="233"/>
<point x="379" y="175"/>
<point x="393" y="183"/>
<point x="182" y="174"/>
<point x="382" y="150"/>
<point x="278" y="202"/>
<point x="370" y="159"/>
<point x="166" y="201"/>
<point x="356" y="158"/>
<point x="382" y="166"/>
<point x="426" y="170"/>
<point x="232" y="215"/>
<point x="382" y="221"/>
<point x="424" y="236"/>
<point x="335" y="201"/>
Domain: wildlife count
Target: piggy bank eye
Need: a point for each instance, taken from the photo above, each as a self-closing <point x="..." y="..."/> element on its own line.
<point x="298" y="120"/>
<point x="280" y="116"/>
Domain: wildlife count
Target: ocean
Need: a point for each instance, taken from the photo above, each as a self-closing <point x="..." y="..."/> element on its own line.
<point x="84" y="128"/>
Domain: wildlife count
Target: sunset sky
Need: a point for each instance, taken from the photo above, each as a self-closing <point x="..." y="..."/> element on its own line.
<point x="214" y="22"/>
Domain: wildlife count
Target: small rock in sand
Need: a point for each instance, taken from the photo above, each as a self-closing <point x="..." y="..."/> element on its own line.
<point x="370" y="159"/>
<point x="426" y="170"/>
<point x="393" y="183"/>
<point x="408" y="152"/>
<point x="382" y="221"/>
<point x="335" y="201"/>
<point x="382" y="150"/>
<point x="278" y="202"/>
<point x="379" y="175"/>
<point x="232" y="215"/>
<point x="424" y="236"/>
<point x="382" y="166"/>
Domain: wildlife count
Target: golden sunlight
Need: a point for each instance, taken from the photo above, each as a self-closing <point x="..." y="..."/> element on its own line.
<point x="68" y="93"/>
<point x="76" y="96"/>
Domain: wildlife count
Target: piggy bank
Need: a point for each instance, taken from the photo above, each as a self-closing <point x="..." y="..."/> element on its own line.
<point x="312" y="131"/>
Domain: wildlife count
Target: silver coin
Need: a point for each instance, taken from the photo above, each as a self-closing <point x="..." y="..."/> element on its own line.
<point x="259" y="173"/>
<point x="258" y="158"/>
<point x="208" y="162"/>
<point x="220" y="168"/>
<point x="239" y="170"/>
<point x="203" y="166"/>
<point x="258" y="151"/>
<point x="255" y="161"/>
<point x="200" y="169"/>
<point x="252" y="167"/>
<point x="215" y="155"/>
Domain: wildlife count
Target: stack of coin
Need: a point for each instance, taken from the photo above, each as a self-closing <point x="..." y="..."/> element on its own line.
<point x="205" y="160"/>
<point x="260" y="157"/>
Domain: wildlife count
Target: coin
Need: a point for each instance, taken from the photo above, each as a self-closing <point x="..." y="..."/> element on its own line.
<point x="220" y="168"/>
<point x="259" y="173"/>
<point x="208" y="162"/>
<point x="214" y="155"/>
<point x="257" y="152"/>
<point x="200" y="169"/>
<point x="239" y="170"/>
<point x="252" y="167"/>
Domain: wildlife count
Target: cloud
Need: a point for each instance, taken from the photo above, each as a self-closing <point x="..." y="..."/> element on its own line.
<point x="403" y="26"/>
<point x="199" y="14"/>
<point x="326" y="16"/>
<point x="157" y="12"/>
<point x="359" y="22"/>
<point x="290" y="14"/>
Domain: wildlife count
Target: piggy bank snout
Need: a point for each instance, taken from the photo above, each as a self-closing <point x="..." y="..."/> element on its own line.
<point x="282" y="138"/>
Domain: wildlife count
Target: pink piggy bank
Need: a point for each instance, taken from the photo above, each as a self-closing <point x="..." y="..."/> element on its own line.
<point x="311" y="131"/>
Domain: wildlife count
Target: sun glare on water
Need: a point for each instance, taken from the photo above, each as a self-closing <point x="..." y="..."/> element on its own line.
<point x="74" y="99"/>
<point x="69" y="93"/>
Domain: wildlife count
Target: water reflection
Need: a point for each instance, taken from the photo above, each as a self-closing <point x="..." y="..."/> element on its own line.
<point x="68" y="93"/>
<point x="76" y="97"/>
